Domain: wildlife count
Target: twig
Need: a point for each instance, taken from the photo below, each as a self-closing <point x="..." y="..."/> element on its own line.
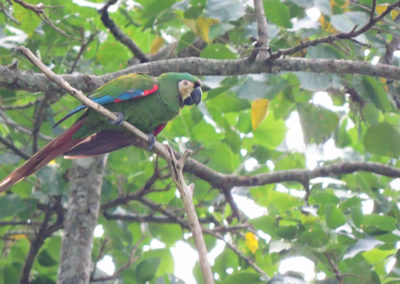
<point x="8" y="15"/>
<point x="232" y="203"/>
<point x="39" y="11"/>
<point x="334" y="267"/>
<point x="21" y="128"/>
<point x="262" y="44"/>
<point x="82" y="49"/>
<point x="20" y="106"/>
<point x="19" y="223"/>
<point x="353" y="33"/>
<point x="12" y="147"/>
<point x="176" y="168"/>
<point x="44" y="232"/>
<point x="117" y="273"/>
<point x="100" y="255"/>
<point x="249" y="261"/>
<point x="118" y="34"/>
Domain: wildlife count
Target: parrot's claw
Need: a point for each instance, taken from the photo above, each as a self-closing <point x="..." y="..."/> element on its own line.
<point x="119" y="120"/>
<point x="151" y="141"/>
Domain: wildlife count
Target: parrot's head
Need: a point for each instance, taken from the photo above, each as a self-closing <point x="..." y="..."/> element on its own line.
<point x="186" y="85"/>
<point x="190" y="91"/>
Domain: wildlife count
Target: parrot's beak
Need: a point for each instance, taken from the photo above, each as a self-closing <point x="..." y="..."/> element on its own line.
<point x="195" y="96"/>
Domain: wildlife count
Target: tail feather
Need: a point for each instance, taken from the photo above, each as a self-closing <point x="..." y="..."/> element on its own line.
<point x="56" y="147"/>
<point x="104" y="141"/>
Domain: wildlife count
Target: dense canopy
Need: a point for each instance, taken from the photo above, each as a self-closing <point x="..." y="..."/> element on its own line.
<point x="295" y="143"/>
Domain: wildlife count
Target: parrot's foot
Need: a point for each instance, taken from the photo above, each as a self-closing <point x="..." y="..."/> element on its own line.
<point x="119" y="120"/>
<point x="151" y="141"/>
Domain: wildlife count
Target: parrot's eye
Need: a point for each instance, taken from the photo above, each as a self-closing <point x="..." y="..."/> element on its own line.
<point x="185" y="83"/>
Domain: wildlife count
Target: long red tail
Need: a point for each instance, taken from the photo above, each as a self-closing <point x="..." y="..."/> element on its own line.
<point x="55" y="148"/>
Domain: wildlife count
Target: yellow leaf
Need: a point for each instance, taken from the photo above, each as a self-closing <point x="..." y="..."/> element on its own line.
<point x="394" y="14"/>
<point x="17" y="237"/>
<point x="381" y="8"/>
<point x="251" y="242"/>
<point x="259" y="111"/>
<point x="157" y="43"/>
<point x="383" y="81"/>
<point x="201" y="26"/>
<point x="325" y="25"/>
<point x="344" y="6"/>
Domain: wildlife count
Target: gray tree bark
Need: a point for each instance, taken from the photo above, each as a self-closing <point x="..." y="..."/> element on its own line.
<point x="80" y="220"/>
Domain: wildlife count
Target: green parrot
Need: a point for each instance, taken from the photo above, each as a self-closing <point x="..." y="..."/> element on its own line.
<point x="142" y="100"/>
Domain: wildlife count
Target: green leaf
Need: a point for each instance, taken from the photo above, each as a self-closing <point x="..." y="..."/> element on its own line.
<point x="168" y="234"/>
<point x="217" y="51"/>
<point x="225" y="10"/>
<point x="370" y="113"/>
<point x="277" y="12"/>
<point x="195" y="9"/>
<point x="375" y="91"/>
<point x="220" y="157"/>
<point x="376" y="256"/>
<point x="334" y="217"/>
<point x="281" y="202"/>
<point x="362" y="245"/>
<point x="322" y="51"/>
<point x="166" y="265"/>
<point x="45" y="259"/>
<point x="9" y="158"/>
<point x="11" y="205"/>
<point x="251" y="89"/>
<point x="342" y="137"/>
<point x="314" y="236"/>
<point x="270" y="133"/>
<point x="146" y="269"/>
<point x="228" y="102"/>
<point x="318" y="123"/>
<point x="314" y="81"/>
<point x="382" y="139"/>
<point x="27" y="18"/>
<point x="348" y="21"/>
<point x="243" y="277"/>
<point x="267" y="224"/>
<point x="375" y="222"/>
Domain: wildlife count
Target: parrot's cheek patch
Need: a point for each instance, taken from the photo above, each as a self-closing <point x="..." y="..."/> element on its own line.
<point x="195" y="97"/>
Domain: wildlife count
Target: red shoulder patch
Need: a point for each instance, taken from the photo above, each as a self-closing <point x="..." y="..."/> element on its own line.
<point x="151" y="91"/>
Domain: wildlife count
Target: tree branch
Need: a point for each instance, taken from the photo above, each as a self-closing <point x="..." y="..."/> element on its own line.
<point x="39" y="11"/>
<point x="12" y="147"/>
<point x="186" y="192"/>
<point x="118" y="34"/>
<point x="80" y="220"/>
<point x="44" y="232"/>
<point x="350" y="35"/>
<point x="262" y="44"/>
<point x="222" y="181"/>
<point x="117" y="273"/>
<point x="36" y="82"/>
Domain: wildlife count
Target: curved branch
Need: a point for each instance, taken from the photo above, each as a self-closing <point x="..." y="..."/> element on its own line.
<point x="118" y="34"/>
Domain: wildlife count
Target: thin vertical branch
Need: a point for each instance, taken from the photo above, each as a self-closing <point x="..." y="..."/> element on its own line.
<point x="262" y="44"/>
<point x="176" y="168"/>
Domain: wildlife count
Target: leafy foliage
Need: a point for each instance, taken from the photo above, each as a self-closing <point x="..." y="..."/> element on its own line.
<point x="347" y="225"/>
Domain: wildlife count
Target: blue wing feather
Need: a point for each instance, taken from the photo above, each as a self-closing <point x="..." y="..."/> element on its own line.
<point x="133" y="94"/>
